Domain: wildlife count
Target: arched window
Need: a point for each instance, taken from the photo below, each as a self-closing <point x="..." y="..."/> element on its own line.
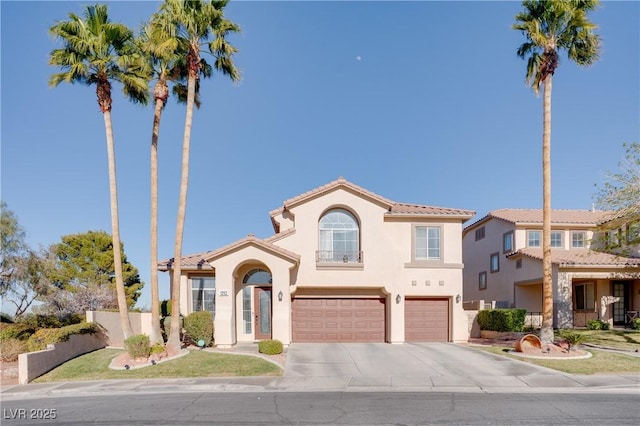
<point x="257" y="276"/>
<point x="339" y="237"/>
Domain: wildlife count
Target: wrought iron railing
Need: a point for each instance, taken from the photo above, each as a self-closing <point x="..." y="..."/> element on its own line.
<point x="533" y="319"/>
<point x="329" y="256"/>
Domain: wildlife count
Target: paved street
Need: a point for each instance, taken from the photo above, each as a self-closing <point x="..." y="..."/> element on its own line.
<point x="328" y="408"/>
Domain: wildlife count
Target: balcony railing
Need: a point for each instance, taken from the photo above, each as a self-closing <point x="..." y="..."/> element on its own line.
<point x="327" y="256"/>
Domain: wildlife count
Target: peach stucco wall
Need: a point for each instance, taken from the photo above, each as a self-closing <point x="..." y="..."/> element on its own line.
<point x="387" y="269"/>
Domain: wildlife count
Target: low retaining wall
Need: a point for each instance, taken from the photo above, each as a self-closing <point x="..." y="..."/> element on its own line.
<point x="501" y="335"/>
<point x="35" y="364"/>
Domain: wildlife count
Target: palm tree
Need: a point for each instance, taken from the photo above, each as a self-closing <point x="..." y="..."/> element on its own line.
<point x="97" y="51"/>
<point x="166" y="64"/>
<point x="551" y="26"/>
<point x="197" y="24"/>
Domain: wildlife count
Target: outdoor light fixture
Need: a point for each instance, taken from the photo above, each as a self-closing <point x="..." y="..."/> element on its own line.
<point x="153" y="362"/>
<point x="280" y="296"/>
<point x="398" y="298"/>
<point x="458" y="298"/>
<point x="127" y="366"/>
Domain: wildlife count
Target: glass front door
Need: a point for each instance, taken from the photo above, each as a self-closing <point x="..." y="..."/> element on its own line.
<point x="620" y="307"/>
<point x="262" y="309"/>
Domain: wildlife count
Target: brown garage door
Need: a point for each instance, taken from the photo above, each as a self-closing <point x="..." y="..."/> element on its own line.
<point x="338" y="320"/>
<point x="426" y="320"/>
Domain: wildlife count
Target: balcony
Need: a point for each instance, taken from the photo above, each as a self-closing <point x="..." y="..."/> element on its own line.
<point x="335" y="257"/>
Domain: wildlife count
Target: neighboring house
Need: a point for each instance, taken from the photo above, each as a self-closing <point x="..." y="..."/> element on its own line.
<point x="344" y="265"/>
<point x="502" y="254"/>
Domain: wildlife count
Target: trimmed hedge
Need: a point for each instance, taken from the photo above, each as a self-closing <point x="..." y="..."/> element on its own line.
<point x="46" y="336"/>
<point x="502" y="319"/>
<point x="199" y="326"/>
<point x="270" y="347"/>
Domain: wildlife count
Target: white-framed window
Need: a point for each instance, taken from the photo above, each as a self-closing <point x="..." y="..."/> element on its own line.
<point x="578" y="239"/>
<point x="556" y="239"/>
<point x="339" y="237"/>
<point x="203" y="294"/>
<point x="427" y="243"/>
<point x="482" y="280"/>
<point x="494" y="262"/>
<point x="507" y="242"/>
<point x="584" y="297"/>
<point x="534" y="238"/>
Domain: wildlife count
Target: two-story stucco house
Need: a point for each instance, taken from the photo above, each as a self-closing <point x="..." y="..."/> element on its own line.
<point x="502" y="254"/>
<point x="344" y="265"/>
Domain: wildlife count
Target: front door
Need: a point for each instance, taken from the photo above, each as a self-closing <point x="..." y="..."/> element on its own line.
<point x="620" y="307"/>
<point x="262" y="309"/>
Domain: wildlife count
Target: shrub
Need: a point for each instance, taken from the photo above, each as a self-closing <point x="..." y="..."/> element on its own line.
<point x="11" y="348"/>
<point x="15" y="331"/>
<point x="597" y="324"/>
<point x="165" y="308"/>
<point x="46" y="336"/>
<point x="199" y="326"/>
<point x="158" y="348"/>
<point x="502" y="319"/>
<point x="572" y="338"/>
<point x="138" y="346"/>
<point x="635" y="323"/>
<point x="49" y="321"/>
<point x="270" y="347"/>
<point x="5" y="318"/>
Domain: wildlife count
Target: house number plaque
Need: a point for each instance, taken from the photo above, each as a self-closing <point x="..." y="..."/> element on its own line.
<point x="224" y="293"/>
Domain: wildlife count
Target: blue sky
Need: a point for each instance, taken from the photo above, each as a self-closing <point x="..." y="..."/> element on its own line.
<point x="420" y="102"/>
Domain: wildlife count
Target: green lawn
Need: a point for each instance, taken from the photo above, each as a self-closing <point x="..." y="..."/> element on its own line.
<point x="601" y="362"/>
<point x="95" y="366"/>
<point x="628" y="340"/>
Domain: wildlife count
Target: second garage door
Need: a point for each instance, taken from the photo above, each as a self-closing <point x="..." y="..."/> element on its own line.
<point x="426" y="320"/>
<point x="338" y="320"/>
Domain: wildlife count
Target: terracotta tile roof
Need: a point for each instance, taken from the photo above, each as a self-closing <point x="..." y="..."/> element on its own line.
<point x="534" y="216"/>
<point x="340" y="182"/>
<point x="586" y="217"/>
<point x="199" y="260"/>
<point x="581" y="258"/>
<point x="394" y="208"/>
<point x="415" y="209"/>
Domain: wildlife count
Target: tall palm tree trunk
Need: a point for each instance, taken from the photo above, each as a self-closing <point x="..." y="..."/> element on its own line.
<point x="115" y="229"/>
<point x="156" y="333"/>
<point x="546" y="331"/>
<point x="174" y="337"/>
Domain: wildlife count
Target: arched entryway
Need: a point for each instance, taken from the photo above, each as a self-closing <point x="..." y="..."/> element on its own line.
<point x="256" y="304"/>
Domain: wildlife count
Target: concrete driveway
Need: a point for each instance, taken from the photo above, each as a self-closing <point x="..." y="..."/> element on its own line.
<point x="413" y="365"/>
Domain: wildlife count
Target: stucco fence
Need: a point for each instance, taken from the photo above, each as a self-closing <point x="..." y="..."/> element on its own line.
<point x="110" y="322"/>
<point x="35" y="364"/>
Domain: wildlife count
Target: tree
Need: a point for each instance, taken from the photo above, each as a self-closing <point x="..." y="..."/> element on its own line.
<point x="86" y="260"/>
<point x="24" y="271"/>
<point x="621" y="193"/>
<point x="196" y="24"/>
<point x="549" y="27"/>
<point x="167" y="64"/>
<point x="95" y="52"/>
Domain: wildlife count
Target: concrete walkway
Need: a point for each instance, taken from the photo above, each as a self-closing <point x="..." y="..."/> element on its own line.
<point x="428" y="367"/>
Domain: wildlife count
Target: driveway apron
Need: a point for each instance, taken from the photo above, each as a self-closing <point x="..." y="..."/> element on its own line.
<point x="410" y="364"/>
